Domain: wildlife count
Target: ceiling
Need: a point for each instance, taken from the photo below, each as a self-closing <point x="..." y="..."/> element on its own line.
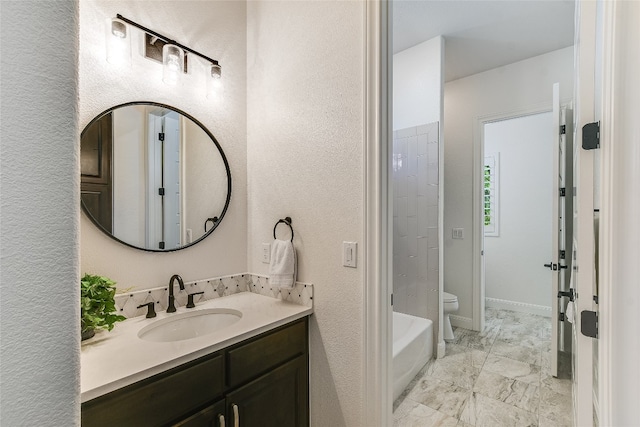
<point x="481" y="35"/>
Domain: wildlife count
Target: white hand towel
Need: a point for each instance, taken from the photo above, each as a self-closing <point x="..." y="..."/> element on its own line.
<point x="283" y="266"/>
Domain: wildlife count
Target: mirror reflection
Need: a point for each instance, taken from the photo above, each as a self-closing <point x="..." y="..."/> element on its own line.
<point x="152" y="177"/>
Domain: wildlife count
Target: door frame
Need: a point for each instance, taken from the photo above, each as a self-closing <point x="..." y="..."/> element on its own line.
<point x="478" y="286"/>
<point x="378" y="243"/>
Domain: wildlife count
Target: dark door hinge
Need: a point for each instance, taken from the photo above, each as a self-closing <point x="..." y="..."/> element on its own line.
<point x="561" y="317"/>
<point x="563" y="254"/>
<point x="391" y="299"/>
<point x="161" y="136"/>
<point x="568" y="294"/>
<point x="595" y="299"/>
<point x="161" y="191"/>
<point x="563" y="129"/>
<point x="589" y="323"/>
<point x="591" y="136"/>
<point x="563" y="192"/>
<point x="161" y="245"/>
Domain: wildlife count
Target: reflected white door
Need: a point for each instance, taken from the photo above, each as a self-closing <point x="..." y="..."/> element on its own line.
<point x="560" y="264"/>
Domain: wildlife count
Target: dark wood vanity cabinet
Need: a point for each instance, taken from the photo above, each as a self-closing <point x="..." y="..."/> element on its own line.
<point x="263" y="381"/>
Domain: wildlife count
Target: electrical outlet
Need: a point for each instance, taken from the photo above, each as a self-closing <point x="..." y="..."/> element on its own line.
<point x="266" y="253"/>
<point x="458" y="233"/>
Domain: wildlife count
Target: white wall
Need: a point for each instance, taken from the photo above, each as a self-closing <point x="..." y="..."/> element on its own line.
<point x="218" y="30"/>
<point x="514" y="87"/>
<point x="621" y="313"/>
<point x="305" y="160"/>
<point x="417" y="84"/>
<point x="40" y="180"/>
<point x="514" y="260"/>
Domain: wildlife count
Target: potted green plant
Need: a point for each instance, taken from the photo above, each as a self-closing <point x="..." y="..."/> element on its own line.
<point x="97" y="304"/>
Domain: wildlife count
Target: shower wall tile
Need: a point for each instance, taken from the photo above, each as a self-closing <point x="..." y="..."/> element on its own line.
<point x="432" y="152"/>
<point x="423" y="141"/>
<point x="405" y="133"/>
<point x="415" y="221"/>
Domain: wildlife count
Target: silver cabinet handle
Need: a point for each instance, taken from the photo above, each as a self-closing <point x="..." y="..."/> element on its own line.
<point x="221" y="420"/>
<point x="236" y="416"/>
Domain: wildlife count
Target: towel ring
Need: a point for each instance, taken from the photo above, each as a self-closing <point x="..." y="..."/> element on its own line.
<point x="212" y="220"/>
<point x="287" y="221"/>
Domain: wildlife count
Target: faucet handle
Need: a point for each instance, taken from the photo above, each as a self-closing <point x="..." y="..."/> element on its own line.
<point x="151" y="312"/>
<point x="190" y="303"/>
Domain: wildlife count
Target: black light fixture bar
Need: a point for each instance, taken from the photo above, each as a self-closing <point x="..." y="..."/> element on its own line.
<point x="166" y="39"/>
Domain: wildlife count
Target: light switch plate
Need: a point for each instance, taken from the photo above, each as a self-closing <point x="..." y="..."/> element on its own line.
<point x="458" y="233"/>
<point x="349" y="254"/>
<point x="266" y="253"/>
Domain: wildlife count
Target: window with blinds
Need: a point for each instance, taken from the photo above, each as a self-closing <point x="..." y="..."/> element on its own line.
<point x="491" y="194"/>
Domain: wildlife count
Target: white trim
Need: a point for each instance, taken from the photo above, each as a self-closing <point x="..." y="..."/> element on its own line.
<point x="461" y="322"/>
<point x="442" y="347"/>
<point x="520" y="307"/>
<point x="602" y="402"/>
<point x="376" y="346"/>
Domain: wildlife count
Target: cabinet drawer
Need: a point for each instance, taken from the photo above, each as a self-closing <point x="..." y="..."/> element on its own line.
<point x="246" y="361"/>
<point x="156" y="400"/>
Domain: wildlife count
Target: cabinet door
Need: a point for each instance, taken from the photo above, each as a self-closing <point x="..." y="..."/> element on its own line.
<point x="211" y="416"/>
<point x="277" y="399"/>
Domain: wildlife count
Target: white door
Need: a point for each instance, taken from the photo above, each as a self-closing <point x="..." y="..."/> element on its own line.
<point x="172" y="176"/>
<point x="561" y="237"/>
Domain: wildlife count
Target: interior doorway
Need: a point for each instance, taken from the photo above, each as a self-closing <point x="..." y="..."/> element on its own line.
<point x="517" y="212"/>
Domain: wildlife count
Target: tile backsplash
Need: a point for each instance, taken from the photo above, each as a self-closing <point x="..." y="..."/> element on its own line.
<point x="127" y="303"/>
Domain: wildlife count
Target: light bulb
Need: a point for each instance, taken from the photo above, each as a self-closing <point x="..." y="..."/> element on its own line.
<point x="215" y="88"/>
<point x="173" y="61"/>
<point x="118" y="42"/>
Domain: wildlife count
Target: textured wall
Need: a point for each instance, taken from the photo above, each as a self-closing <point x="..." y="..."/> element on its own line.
<point x="517" y="86"/>
<point x="217" y="29"/>
<point x="305" y="160"/>
<point x="40" y="218"/>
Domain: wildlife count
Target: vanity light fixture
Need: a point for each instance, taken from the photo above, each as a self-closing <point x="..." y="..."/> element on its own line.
<point x="118" y="42"/>
<point x="173" y="55"/>
<point x="172" y="63"/>
<point x="214" y="83"/>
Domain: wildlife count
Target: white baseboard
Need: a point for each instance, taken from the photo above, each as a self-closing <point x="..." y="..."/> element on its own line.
<point x="521" y="307"/>
<point x="461" y="322"/>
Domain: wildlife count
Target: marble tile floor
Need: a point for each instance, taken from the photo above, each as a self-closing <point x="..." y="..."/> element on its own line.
<point x="497" y="377"/>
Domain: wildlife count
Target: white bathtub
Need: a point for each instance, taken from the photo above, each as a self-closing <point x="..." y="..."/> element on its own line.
<point x="412" y="348"/>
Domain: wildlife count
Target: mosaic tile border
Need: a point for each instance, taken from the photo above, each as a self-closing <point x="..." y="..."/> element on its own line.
<point x="216" y="287"/>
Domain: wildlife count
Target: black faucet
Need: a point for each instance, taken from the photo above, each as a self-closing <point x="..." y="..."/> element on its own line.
<point x="172" y="307"/>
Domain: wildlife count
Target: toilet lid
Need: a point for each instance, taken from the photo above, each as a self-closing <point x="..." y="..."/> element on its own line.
<point x="447" y="297"/>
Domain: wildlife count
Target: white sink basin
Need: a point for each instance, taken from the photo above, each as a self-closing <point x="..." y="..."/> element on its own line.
<point x="193" y="324"/>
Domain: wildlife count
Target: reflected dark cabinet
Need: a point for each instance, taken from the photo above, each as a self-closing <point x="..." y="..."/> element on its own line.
<point x="262" y="382"/>
<point x="95" y="170"/>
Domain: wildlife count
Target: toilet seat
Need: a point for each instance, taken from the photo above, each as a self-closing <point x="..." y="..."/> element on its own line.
<point x="447" y="297"/>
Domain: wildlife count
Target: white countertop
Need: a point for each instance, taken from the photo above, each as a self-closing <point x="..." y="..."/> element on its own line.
<point x="112" y="360"/>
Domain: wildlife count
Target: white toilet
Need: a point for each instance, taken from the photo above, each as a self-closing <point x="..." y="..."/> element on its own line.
<point x="450" y="304"/>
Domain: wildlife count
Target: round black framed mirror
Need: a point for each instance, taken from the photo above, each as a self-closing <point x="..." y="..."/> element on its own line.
<point x="153" y="177"/>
